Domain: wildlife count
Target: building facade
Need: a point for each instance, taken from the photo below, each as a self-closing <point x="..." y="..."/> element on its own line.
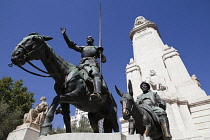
<point x="188" y="106"/>
<point x="81" y="115"/>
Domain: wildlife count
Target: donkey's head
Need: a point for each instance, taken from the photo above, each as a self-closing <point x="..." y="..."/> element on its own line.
<point x="127" y="101"/>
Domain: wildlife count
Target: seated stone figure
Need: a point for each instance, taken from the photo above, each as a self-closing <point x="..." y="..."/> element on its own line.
<point x="152" y="101"/>
<point x="156" y="82"/>
<point x="37" y="115"/>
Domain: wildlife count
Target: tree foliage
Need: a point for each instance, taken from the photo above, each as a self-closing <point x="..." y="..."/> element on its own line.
<point x="59" y="130"/>
<point x="16" y="95"/>
<point x="15" y="101"/>
<point x="84" y="126"/>
<point x="9" y="120"/>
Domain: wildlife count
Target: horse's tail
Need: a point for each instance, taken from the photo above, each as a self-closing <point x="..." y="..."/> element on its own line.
<point x="113" y="100"/>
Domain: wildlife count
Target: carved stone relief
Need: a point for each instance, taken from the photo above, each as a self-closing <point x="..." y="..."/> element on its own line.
<point x="157" y="82"/>
<point x="195" y="79"/>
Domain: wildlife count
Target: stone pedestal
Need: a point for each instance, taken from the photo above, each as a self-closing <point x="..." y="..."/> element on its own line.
<point x="93" y="136"/>
<point x="104" y="136"/>
<point x="83" y="136"/>
<point x="26" y="131"/>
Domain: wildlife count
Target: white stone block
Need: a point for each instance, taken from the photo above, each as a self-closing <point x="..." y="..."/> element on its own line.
<point x="106" y="136"/>
<point x="27" y="131"/>
<point x="134" y="137"/>
<point x="93" y="136"/>
<point x="203" y="125"/>
<point x="200" y="108"/>
<point x="205" y="118"/>
<point x="83" y="136"/>
<point x="200" y="113"/>
<point x="205" y="132"/>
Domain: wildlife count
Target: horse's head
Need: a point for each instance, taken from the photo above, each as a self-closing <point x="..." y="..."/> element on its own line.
<point x="28" y="49"/>
<point x="127" y="101"/>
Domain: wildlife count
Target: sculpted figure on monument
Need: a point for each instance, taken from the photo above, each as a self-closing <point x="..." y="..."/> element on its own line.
<point x="37" y="115"/>
<point x="89" y="54"/>
<point x="148" y="112"/>
<point x="156" y="82"/>
<point x="152" y="101"/>
<point x="195" y="79"/>
<point x="139" y="20"/>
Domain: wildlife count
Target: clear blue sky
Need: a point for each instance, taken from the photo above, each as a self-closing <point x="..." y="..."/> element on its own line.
<point x="183" y="24"/>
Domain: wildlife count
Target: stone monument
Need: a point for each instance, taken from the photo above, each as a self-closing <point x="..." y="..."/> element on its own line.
<point x="31" y="123"/>
<point x="37" y="115"/>
<point x="188" y="106"/>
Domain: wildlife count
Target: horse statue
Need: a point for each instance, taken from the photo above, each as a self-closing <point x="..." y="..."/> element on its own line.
<point x="70" y="85"/>
<point x="146" y="121"/>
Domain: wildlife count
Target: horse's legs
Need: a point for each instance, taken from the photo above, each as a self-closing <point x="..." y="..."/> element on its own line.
<point x="113" y="118"/>
<point x="94" y="118"/>
<point x="115" y="125"/>
<point x="107" y="126"/>
<point x="161" y="138"/>
<point x="46" y="127"/>
<point x="66" y="116"/>
<point x="110" y="122"/>
<point x="137" y="131"/>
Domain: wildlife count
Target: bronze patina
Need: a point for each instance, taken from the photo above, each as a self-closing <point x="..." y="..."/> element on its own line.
<point x="148" y="112"/>
<point x="89" y="63"/>
<point x="70" y="85"/>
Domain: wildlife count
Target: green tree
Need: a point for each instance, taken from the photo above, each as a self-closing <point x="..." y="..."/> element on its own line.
<point x="59" y="130"/>
<point x="15" y="101"/>
<point x="9" y="120"/>
<point x="84" y="126"/>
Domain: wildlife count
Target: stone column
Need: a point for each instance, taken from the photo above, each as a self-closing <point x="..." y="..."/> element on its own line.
<point x="133" y="73"/>
<point x="191" y="130"/>
<point x="179" y="75"/>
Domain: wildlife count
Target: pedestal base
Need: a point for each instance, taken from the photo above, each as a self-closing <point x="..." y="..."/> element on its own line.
<point x="26" y="131"/>
<point x="103" y="136"/>
<point x="83" y="136"/>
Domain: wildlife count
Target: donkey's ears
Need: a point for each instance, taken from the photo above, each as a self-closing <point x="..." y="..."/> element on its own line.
<point x="120" y="93"/>
<point x="130" y="88"/>
<point x="46" y="38"/>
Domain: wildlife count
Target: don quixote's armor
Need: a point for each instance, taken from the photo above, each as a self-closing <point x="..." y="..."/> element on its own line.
<point x="89" y="63"/>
